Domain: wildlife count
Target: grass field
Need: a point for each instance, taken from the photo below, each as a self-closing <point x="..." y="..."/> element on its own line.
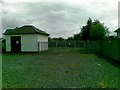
<point x="58" y="68"/>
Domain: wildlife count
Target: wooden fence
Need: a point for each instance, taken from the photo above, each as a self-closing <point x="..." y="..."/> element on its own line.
<point x="110" y="48"/>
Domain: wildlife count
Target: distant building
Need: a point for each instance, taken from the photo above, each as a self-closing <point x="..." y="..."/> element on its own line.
<point x="26" y="39"/>
<point x="118" y="32"/>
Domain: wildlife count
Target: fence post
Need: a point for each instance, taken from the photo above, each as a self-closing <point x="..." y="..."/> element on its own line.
<point x="65" y="43"/>
<point x="56" y="44"/>
<point x="74" y="43"/>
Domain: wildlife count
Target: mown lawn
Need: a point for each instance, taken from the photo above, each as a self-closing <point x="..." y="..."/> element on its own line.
<point x="58" y="68"/>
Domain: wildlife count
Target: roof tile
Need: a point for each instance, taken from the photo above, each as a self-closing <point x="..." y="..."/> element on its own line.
<point x="26" y="29"/>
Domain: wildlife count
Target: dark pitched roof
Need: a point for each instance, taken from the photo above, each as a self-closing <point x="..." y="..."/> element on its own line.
<point x="117" y="30"/>
<point x="26" y="29"/>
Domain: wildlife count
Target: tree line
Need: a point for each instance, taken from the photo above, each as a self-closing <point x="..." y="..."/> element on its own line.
<point x="93" y="30"/>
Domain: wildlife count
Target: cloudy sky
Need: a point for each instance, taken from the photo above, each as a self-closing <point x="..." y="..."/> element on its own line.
<point x="59" y="18"/>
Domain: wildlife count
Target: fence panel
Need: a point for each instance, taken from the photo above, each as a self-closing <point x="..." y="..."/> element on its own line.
<point x="60" y="44"/>
<point x="110" y="48"/>
<point x="119" y="48"/>
<point x="52" y="44"/>
<point x="65" y="44"/>
<point x="115" y="49"/>
<point x="105" y="47"/>
<point x="93" y="46"/>
<point x="70" y="44"/>
<point x="79" y="43"/>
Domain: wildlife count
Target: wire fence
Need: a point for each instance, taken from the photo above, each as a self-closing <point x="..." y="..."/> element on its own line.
<point x="65" y="44"/>
<point x="110" y="48"/>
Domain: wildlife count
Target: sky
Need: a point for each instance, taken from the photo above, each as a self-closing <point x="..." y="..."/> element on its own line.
<point x="59" y="18"/>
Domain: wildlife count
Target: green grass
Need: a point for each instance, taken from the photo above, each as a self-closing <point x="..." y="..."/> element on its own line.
<point x="58" y="68"/>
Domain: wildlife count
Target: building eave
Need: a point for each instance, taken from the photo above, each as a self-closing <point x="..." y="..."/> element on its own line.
<point x="27" y="29"/>
<point x="117" y="30"/>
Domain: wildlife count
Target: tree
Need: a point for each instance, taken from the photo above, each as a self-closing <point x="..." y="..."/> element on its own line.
<point x="61" y="39"/>
<point x="77" y="37"/>
<point x="58" y="39"/>
<point x="70" y="38"/>
<point x="50" y="39"/>
<point x="94" y="30"/>
<point x="85" y="30"/>
<point x="98" y="31"/>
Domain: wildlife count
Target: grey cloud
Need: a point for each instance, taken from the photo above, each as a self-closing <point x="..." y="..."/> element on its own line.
<point x="11" y="22"/>
<point x="58" y="19"/>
